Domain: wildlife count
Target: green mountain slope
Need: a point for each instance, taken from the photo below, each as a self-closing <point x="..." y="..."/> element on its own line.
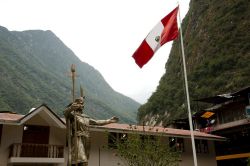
<point x="34" y="66"/>
<point x="217" y="48"/>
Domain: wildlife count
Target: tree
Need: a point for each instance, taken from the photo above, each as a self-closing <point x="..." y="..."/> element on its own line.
<point x="141" y="149"/>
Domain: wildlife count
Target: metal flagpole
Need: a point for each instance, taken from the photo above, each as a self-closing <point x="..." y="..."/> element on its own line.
<point x="187" y="95"/>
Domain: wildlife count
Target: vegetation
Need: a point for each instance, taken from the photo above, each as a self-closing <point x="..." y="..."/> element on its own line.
<point x="34" y="69"/>
<point x="217" y="49"/>
<point x="142" y="149"/>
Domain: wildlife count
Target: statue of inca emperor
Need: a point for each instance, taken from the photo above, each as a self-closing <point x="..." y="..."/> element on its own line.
<point x="79" y="135"/>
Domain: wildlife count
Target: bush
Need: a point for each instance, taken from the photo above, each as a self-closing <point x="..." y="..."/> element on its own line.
<point x="141" y="150"/>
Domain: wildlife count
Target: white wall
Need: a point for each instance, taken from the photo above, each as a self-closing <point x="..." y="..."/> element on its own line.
<point x="204" y="159"/>
<point x="99" y="154"/>
<point x="36" y="120"/>
<point x="10" y="134"/>
<point x="57" y="136"/>
<point x="13" y="134"/>
<point x="107" y="157"/>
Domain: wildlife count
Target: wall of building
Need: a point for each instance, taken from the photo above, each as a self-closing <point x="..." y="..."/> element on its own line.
<point x="58" y="137"/>
<point x="101" y="156"/>
<point x="204" y="159"/>
<point x="231" y="112"/>
<point x="10" y="134"/>
<point x="13" y="134"/>
<point x="37" y="120"/>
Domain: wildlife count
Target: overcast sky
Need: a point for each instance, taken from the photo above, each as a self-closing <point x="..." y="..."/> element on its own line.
<point x="102" y="33"/>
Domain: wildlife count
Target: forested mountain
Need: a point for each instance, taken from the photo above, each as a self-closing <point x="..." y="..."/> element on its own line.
<point x="33" y="70"/>
<point x="217" y="49"/>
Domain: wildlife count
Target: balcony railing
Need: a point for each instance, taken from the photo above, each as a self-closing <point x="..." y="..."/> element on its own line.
<point x="36" y="150"/>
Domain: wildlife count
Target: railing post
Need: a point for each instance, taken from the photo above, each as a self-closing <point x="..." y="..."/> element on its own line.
<point x="11" y="150"/>
<point x="19" y="149"/>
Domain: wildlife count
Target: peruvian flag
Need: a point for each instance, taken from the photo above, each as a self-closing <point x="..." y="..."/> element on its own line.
<point x="165" y="31"/>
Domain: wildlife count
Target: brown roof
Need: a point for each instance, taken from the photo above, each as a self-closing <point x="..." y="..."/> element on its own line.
<point x="156" y="131"/>
<point x="226" y="97"/>
<point x="10" y="116"/>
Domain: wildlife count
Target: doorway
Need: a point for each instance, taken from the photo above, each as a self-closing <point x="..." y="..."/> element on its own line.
<point x="35" y="141"/>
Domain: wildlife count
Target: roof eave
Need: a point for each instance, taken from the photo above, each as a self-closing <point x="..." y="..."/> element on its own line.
<point x="116" y="130"/>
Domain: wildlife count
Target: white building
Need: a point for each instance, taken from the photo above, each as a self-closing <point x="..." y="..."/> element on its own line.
<point x="40" y="138"/>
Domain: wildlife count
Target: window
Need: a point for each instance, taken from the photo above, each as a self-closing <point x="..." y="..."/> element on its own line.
<point x="248" y="111"/>
<point x="113" y="139"/>
<point x="201" y="146"/>
<point x="147" y="139"/>
<point x="177" y="144"/>
<point x="197" y="146"/>
<point x="248" y="98"/>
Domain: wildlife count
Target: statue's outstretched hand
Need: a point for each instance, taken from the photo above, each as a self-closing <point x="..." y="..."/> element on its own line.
<point x="114" y="119"/>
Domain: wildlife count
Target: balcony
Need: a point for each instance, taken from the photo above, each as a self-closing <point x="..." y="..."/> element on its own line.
<point x="232" y="124"/>
<point x="223" y="126"/>
<point x="36" y="153"/>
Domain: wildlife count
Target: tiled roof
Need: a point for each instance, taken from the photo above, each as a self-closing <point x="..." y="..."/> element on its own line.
<point x="10" y="116"/>
<point x="43" y="110"/>
<point x="156" y="131"/>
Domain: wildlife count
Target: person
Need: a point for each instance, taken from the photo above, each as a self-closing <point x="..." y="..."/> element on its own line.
<point x="79" y="127"/>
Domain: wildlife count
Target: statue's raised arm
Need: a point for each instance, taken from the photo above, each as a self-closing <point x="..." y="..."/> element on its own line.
<point x="76" y="106"/>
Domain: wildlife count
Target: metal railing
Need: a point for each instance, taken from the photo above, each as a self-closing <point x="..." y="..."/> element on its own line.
<point x="36" y="150"/>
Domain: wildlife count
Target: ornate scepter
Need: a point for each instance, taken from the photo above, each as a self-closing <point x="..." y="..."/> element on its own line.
<point x="68" y="122"/>
<point x="73" y="74"/>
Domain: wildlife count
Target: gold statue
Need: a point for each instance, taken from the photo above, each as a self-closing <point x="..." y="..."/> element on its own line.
<point x="79" y="131"/>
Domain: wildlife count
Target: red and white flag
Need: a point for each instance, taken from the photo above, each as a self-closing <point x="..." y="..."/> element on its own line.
<point x="166" y="30"/>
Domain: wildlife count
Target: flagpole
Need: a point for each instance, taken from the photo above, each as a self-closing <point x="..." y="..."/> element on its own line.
<point x="187" y="95"/>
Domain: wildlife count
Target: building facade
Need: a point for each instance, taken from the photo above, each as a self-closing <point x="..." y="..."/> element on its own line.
<point x="40" y="138"/>
<point x="36" y="138"/>
<point x="229" y="116"/>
